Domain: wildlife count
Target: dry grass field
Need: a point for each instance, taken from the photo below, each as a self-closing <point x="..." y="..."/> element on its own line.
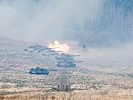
<point x="97" y="78"/>
<point x="77" y="95"/>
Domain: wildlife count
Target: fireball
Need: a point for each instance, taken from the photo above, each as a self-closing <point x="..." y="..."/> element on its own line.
<point x="59" y="46"/>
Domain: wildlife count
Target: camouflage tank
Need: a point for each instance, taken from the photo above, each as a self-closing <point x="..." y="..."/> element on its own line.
<point x="64" y="56"/>
<point x="66" y="64"/>
<point x="39" y="71"/>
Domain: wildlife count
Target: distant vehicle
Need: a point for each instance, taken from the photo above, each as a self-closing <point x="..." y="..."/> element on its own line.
<point x="39" y="71"/>
<point x="66" y="64"/>
<point x="38" y="48"/>
<point x="64" y="56"/>
<point x="74" y="61"/>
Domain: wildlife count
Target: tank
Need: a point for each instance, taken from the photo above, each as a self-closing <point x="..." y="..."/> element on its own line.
<point x="66" y="64"/>
<point x="38" y="48"/>
<point x="64" y="56"/>
<point x="39" y="71"/>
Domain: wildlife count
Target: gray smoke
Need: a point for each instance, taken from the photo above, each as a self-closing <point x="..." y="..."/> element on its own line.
<point x="45" y="19"/>
<point x="92" y="23"/>
<point x="113" y="25"/>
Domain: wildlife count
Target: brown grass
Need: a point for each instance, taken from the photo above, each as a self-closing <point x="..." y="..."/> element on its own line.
<point x="63" y="96"/>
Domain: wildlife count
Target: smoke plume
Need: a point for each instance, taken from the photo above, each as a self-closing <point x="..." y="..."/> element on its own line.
<point x="92" y="23"/>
